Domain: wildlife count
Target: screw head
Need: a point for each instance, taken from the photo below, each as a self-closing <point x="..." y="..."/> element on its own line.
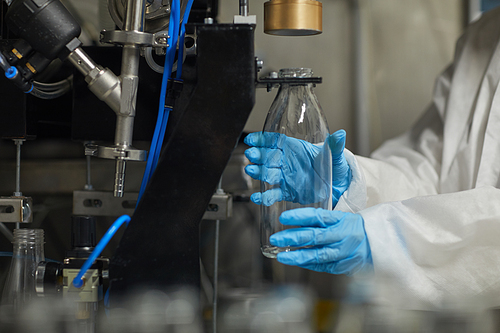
<point x="259" y="63"/>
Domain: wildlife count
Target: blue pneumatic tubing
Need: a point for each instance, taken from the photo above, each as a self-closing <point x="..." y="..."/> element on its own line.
<point x="78" y="281"/>
<point x="155" y="143"/>
<point x="176" y="6"/>
<point x="163" y="113"/>
<point x="180" y="57"/>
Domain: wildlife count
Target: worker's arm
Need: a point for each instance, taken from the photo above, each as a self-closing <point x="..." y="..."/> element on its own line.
<point x="405" y="167"/>
<point x="438" y="250"/>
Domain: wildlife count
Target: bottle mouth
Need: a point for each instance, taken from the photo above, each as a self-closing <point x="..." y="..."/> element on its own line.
<point x="28" y="235"/>
<point x="295" y="72"/>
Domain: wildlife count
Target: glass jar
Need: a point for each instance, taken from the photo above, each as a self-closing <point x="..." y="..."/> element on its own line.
<point x="296" y="113"/>
<point x="28" y="251"/>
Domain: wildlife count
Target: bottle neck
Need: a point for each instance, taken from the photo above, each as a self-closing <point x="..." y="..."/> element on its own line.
<point x="29" y="243"/>
<point x="295" y="72"/>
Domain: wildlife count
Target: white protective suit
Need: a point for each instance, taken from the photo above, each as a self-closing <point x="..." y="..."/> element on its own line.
<point x="430" y="198"/>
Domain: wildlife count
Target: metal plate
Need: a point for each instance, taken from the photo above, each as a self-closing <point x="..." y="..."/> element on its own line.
<point x="99" y="203"/>
<point x="16" y="209"/>
<point x="219" y="208"/>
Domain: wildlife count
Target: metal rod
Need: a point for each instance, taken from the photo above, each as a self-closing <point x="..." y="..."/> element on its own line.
<point x="133" y="21"/>
<point x="216" y="276"/>
<point x="134" y="17"/>
<point x="244" y="7"/>
<point x="216" y="265"/>
<point x="125" y="128"/>
<point x="88" y="171"/>
<point x="17" y="192"/>
<point x="7" y="233"/>
<point x="18" y="144"/>
<point x="82" y="61"/>
<point x="88" y="185"/>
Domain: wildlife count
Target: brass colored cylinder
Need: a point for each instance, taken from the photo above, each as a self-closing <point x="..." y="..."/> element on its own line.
<point x="293" y="17"/>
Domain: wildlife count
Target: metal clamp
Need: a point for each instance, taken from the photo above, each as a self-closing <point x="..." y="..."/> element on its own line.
<point x="16" y="209"/>
<point x="219" y="208"/>
<point x="128" y="38"/>
<point x="114" y="152"/>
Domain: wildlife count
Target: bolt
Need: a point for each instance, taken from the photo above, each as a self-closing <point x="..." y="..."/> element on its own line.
<point x="26" y="212"/>
<point x="259" y="63"/>
<point x="162" y="40"/>
<point x="209" y="20"/>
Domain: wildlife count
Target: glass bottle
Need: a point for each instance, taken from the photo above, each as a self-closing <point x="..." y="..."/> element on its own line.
<point x="28" y="251"/>
<point x="296" y="113"/>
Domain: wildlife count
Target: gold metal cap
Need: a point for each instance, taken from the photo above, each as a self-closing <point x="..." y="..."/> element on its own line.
<point x="293" y="17"/>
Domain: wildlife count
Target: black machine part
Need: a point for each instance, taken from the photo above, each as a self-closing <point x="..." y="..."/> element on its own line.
<point x="160" y="247"/>
<point x="83" y="236"/>
<point x="44" y="28"/>
<point x="48" y="277"/>
<point x="45" y="24"/>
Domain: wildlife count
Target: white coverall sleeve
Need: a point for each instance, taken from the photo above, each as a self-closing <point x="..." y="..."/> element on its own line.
<point x="429" y="248"/>
<point x="402" y="168"/>
<point x="438" y="250"/>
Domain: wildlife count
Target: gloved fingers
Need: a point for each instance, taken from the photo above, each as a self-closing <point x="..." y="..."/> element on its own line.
<point x="271" y="196"/>
<point x="346" y="266"/>
<point x="264" y="139"/>
<point x="272" y="176"/>
<point x="268" y="197"/>
<point x="271" y="158"/>
<point x="253" y="171"/>
<point x="310" y="256"/>
<point x="299" y="237"/>
<point x="341" y="170"/>
<point x="311" y="217"/>
<point x="336" y="142"/>
<point x="256" y="198"/>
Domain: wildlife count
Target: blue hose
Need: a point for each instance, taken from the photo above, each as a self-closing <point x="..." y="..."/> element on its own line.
<point x="78" y="280"/>
<point x="164" y="112"/>
<point x="156" y="143"/>
<point x="176" y="10"/>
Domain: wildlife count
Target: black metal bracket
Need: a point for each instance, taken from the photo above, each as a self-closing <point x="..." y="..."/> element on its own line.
<point x="160" y="247"/>
<point x="271" y="82"/>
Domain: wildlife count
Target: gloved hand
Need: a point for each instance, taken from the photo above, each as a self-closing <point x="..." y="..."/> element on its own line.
<point x="295" y="165"/>
<point x="337" y="240"/>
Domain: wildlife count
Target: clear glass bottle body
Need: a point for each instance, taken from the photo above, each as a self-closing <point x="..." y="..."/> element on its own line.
<point x="296" y="113"/>
<point x="28" y="251"/>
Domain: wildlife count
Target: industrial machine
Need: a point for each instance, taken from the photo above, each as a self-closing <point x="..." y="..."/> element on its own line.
<point x="107" y="98"/>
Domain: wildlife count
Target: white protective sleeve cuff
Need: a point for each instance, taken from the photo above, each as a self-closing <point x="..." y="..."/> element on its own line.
<point x="436" y="251"/>
<point x="354" y="198"/>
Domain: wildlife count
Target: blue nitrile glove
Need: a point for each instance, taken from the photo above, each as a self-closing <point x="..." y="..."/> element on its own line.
<point x="292" y="163"/>
<point x="337" y="240"/>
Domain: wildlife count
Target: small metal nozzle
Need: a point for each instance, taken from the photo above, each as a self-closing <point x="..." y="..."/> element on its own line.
<point x="119" y="188"/>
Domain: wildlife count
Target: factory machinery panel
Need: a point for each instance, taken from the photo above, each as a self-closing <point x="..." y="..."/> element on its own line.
<point x="104" y="98"/>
